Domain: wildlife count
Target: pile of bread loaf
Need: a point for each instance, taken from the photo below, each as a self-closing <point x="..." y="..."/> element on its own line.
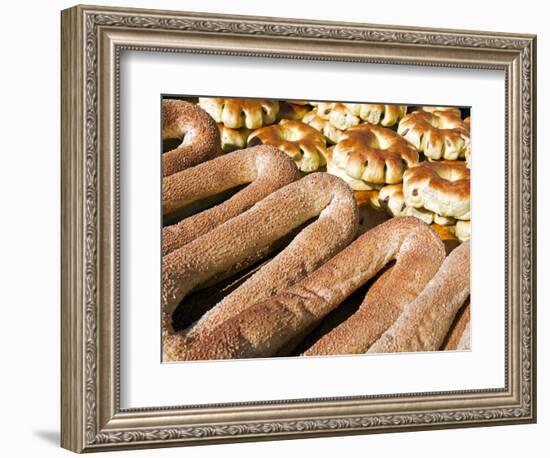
<point x="313" y="228"/>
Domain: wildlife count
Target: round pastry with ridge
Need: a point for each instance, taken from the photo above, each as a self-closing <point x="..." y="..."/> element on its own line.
<point x="337" y="114"/>
<point x="441" y="187"/>
<point x="385" y="115"/>
<point x="237" y="113"/>
<point x="438" y="134"/>
<point x="392" y="199"/>
<point x="195" y="133"/>
<point x="304" y="144"/>
<point x="368" y="157"/>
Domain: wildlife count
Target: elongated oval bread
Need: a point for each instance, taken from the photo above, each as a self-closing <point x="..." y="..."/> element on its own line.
<point x="266" y="326"/>
<point x="456" y="330"/>
<point x="264" y="167"/>
<point x="198" y="131"/>
<point x="318" y="194"/>
<point x="425" y="321"/>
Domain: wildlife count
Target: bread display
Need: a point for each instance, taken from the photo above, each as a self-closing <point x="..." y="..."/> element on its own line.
<point x="243" y="236"/>
<point x="311" y="228"/>
<point x="195" y="132"/>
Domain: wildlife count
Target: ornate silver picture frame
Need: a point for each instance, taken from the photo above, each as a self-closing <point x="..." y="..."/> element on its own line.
<point x="93" y="39"/>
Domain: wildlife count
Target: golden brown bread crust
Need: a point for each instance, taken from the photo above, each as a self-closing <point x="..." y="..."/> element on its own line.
<point x="322" y="125"/>
<point x="452" y="110"/>
<point x="418" y="255"/>
<point x="237" y="113"/>
<point x="370" y="198"/>
<point x="304" y="144"/>
<point x="445" y="232"/>
<point x="438" y="134"/>
<point x="373" y="155"/>
<point x="266" y="326"/>
<point x="337" y="114"/>
<point x="264" y="167"/>
<point x="201" y="139"/>
<point x="346" y="115"/>
<point x="233" y="139"/>
<point x="385" y="115"/>
<point x="463" y="230"/>
<point x="424" y="322"/>
<point x="464" y="342"/>
<point x="242" y="236"/>
<point x="441" y="187"/>
<point x="457" y="328"/>
<point x="295" y="111"/>
<point x="392" y="200"/>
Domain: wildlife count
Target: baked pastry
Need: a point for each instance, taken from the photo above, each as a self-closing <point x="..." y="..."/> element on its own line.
<point x="337" y="114"/>
<point x="463" y="230"/>
<point x="385" y="115"/>
<point x="304" y="144"/>
<point x="242" y="236"/>
<point x="265" y="327"/>
<point x="322" y="125"/>
<point x="264" y="167"/>
<point x="392" y="199"/>
<point x="438" y="134"/>
<point x="452" y="110"/>
<point x="200" y="139"/>
<point x="346" y="115"/>
<point x="237" y="113"/>
<point x="441" y="187"/>
<point x="368" y="157"/>
<point x="425" y="321"/>
<point x="295" y="111"/>
<point x="233" y="139"/>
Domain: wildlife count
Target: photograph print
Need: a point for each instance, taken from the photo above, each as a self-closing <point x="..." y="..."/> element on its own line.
<point x="312" y="228"/>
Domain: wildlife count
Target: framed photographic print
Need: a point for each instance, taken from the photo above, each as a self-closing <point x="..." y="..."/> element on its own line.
<point x="277" y="228"/>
